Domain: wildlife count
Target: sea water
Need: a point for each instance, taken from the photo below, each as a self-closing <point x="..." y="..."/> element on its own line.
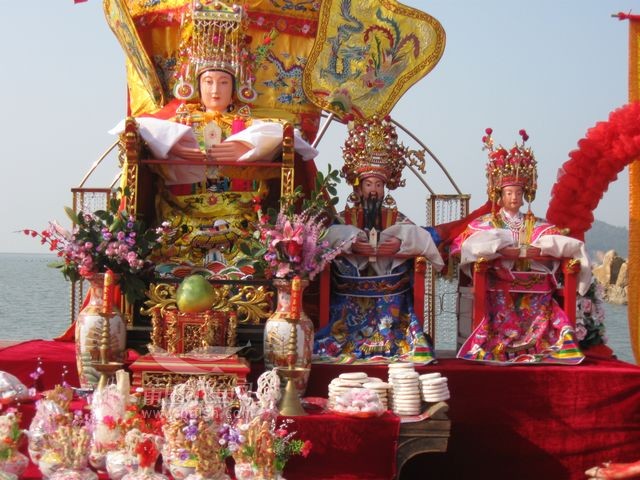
<point x="34" y="303"/>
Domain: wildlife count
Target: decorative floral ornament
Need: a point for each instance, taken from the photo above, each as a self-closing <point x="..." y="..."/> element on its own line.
<point x="293" y="244"/>
<point x="590" y="315"/>
<point x="104" y="240"/>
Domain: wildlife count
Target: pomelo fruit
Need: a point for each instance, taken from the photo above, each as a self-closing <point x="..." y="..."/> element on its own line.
<point x="195" y="294"/>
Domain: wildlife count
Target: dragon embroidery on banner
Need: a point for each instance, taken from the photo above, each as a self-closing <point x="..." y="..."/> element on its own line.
<point x="287" y="79"/>
<point x="342" y="51"/>
<point x="368" y="53"/>
<point x="386" y="64"/>
<point x="382" y="47"/>
<point x="299" y="5"/>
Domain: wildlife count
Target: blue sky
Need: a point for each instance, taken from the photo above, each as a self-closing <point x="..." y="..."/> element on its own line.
<point x="554" y="67"/>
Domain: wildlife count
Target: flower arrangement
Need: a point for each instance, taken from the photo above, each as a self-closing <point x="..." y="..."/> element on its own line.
<point x="104" y="240"/>
<point x="67" y="448"/>
<point x="11" y="460"/>
<point x="192" y="416"/>
<point x="55" y="404"/>
<point x="590" y="328"/>
<point x="145" y="448"/>
<point x="292" y="244"/>
<point x="263" y="448"/>
<point x="259" y="446"/>
<point x="10" y="433"/>
<point x="285" y="446"/>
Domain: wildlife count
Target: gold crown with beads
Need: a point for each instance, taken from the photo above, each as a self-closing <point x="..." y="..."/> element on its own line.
<point x="213" y="38"/>
<point x="507" y="167"/>
<point x="372" y="149"/>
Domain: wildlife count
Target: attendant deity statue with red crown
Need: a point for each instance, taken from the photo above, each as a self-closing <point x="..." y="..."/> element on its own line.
<point x="523" y="323"/>
<point x="207" y="208"/>
<point x="371" y="312"/>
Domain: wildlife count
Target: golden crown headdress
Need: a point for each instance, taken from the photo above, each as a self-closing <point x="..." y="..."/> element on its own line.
<point x="372" y="149"/>
<point x="213" y="38"/>
<point x="514" y="166"/>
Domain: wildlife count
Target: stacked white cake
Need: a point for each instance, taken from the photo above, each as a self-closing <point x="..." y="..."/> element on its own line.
<point x="406" y="398"/>
<point x="404" y="393"/>
<point x="434" y="387"/>
<point x="347" y="381"/>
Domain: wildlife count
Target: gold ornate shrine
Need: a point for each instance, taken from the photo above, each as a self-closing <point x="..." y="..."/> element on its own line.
<point x="179" y="332"/>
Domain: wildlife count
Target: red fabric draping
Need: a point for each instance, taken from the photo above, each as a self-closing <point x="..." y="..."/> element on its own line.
<point x="524" y="422"/>
<point x="605" y="151"/>
<point x="22" y="359"/>
<point x="345" y="448"/>
<point x="527" y="422"/>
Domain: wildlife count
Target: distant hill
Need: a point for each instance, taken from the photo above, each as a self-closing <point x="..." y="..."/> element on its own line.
<point x="603" y="237"/>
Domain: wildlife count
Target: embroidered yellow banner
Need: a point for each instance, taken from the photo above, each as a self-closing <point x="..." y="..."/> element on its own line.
<point x="367" y="53"/>
<point x="139" y="66"/>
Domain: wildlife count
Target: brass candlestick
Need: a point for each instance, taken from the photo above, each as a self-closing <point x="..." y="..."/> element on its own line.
<point x="106" y="368"/>
<point x="290" y="405"/>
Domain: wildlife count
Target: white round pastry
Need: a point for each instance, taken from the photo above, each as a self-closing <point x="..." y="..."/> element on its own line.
<point x="377" y="385"/>
<point x="353" y="376"/>
<point x="435" y="388"/>
<point x="347" y="383"/>
<point x="406" y="413"/>
<point x="430" y="376"/>
<point x="407" y="406"/>
<point x="411" y="374"/>
<point x="374" y="380"/>
<point x="407" y="398"/>
<point x="398" y="365"/>
<point x="436" y="398"/>
<point x="405" y="382"/>
<point x="435" y="381"/>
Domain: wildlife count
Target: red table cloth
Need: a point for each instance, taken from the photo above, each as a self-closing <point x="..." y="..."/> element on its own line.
<point x="525" y="422"/>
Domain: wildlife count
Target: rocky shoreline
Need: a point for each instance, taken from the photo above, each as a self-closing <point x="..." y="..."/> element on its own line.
<point x="612" y="275"/>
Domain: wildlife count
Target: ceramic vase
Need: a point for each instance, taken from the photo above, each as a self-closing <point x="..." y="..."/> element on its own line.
<point x="74" y="474"/>
<point x="247" y="471"/>
<point x="179" y="470"/>
<point x="145" y="473"/>
<point x="278" y="335"/>
<point x="119" y="463"/>
<point x="49" y="464"/>
<point x="218" y="476"/>
<point x="89" y="331"/>
<point x="16" y="463"/>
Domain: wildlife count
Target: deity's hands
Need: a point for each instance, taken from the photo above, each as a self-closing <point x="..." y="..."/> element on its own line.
<point x="228" y="151"/>
<point x="387" y="248"/>
<point x="188" y="153"/>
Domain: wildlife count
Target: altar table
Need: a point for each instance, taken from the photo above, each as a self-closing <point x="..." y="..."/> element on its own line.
<point x="343" y="448"/>
<point x="524" y="422"/>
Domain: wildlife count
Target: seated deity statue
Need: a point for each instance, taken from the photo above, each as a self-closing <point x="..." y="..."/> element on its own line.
<point x="371" y="312"/>
<point x="523" y="322"/>
<point x="207" y="208"/>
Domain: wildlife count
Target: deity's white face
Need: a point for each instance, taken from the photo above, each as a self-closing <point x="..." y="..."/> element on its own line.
<point x="512" y="198"/>
<point x="216" y="90"/>
<point x="372" y="186"/>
